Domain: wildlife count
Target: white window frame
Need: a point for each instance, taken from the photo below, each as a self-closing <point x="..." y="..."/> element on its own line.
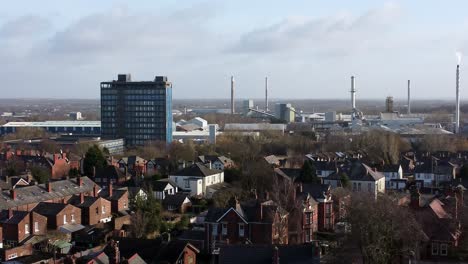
<point x="434" y="249"/>
<point x="241" y="230"/>
<point x="36" y="226"/>
<point x="72" y="218"/>
<point x="103" y="209"/>
<point x="224" y="229"/>
<point x="64" y="219"/>
<point x="443" y="249"/>
<point x="12" y="256"/>
<point x="308" y="218"/>
<point x="26" y="228"/>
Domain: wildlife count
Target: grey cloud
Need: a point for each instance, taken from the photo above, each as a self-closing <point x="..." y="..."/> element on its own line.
<point x="327" y="35"/>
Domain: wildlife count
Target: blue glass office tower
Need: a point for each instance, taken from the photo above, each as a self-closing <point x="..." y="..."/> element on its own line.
<point x="137" y="111"/>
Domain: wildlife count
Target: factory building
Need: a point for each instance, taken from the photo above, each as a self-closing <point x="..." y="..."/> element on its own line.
<point x="285" y="112"/>
<point x="56" y="127"/>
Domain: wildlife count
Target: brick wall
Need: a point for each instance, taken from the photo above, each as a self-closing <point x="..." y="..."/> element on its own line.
<point x="41" y="227"/>
<point x="69" y="210"/>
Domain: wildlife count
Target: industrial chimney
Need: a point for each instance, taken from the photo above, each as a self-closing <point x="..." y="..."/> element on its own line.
<point x="353" y="96"/>
<point x="409" y="97"/>
<point x="266" y="94"/>
<point x="457" y="107"/>
<point x="232" y="96"/>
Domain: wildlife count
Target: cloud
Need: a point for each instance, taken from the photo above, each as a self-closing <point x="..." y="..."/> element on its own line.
<point x="336" y="34"/>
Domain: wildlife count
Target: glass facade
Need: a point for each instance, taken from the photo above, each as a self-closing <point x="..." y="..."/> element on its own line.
<point x="137" y="111"/>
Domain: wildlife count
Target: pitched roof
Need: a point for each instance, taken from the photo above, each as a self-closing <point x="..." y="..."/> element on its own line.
<point x="160" y="185"/>
<point x="173" y="251"/>
<point x="49" y="209"/>
<point x="175" y="199"/>
<point x="87" y="201"/>
<point x="364" y="173"/>
<point x="116" y="193"/>
<point x="317" y="191"/>
<point x="198" y="170"/>
<point x="110" y="172"/>
<point x="38" y="193"/>
<point x="17" y="217"/>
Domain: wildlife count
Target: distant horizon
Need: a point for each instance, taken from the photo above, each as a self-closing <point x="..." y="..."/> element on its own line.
<point x="64" y="49"/>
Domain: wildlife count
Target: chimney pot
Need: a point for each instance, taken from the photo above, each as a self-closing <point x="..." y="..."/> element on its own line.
<point x="80" y="181"/>
<point x="48" y="186"/>
<point x="10" y="213"/>
<point x="81" y="198"/>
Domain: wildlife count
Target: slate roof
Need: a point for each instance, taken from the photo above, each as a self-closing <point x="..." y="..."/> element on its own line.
<point x="364" y="173"/>
<point x="263" y="254"/>
<point x="49" y="209"/>
<point x="197" y="170"/>
<point x="317" y="191"/>
<point x="87" y="201"/>
<point x="173" y="251"/>
<point x="116" y="193"/>
<point x="175" y="199"/>
<point x="248" y="211"/>
<point x="17" y="217"/>
<point x="110" y="172"/>
<point x="160" y="185"/>
<point x="38" y="193"/>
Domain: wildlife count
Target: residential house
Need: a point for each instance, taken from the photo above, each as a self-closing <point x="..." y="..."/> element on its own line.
<point x="440" y="222"/>
<point x="368" y="180"/>
<point x="133" y="164"/>
<point x="135" y="193"/>
<point x="111" y="174"/>
<point x="157" y="251"/>
<point x="94" y="210"/>
<point x="118" y="198"/>
<point x="62" y="217"/>
<point x="254" y="222"/>
<point x="196" y="178"/>
<point x="26" y="198"/>
<point x="57" y="165"/>
<point x="178" y="202"/>
<point x="15" y="226"/>
<point x="217" y="162"/>
<point x="321" y="193"/>
<point x="164" y="187"/>
<point x="393" y="177"/>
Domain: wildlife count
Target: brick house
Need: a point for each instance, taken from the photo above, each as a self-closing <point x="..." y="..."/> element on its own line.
<point x="26" y="198"/>
<point x="94" y="210"/>
<point x="19" y="225"/>
<point x="440" y="222"/>
<point x="111" y="174"/>
<point x="135" y="165"/>
<point x="117" y="197"/>
<point x="59" y="216"/>
<point x="56" y="164"/>
<point x="178" y="202"/>
<point x="254" y="221"/>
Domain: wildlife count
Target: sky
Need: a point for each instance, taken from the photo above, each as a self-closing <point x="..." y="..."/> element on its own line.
<point x="307" y="48"/>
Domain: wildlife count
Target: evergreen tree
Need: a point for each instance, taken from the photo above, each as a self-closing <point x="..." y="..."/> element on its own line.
<point x="94" y="158"/>
<point x="309" y="173"/>
<point x="344" y="179"/>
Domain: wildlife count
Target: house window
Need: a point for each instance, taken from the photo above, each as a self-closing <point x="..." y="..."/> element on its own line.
<point x="443" y="249"/>
<point x="435" y="249"/>
<point x="224" y="229"/>
<point x="308" y="235"/>
<point x="36" y="226"/>
<point x="12" y="256"/>
<point x="354" y="186"/>
<point x="241" y="230"/>
<point x="97" y="210"/>
<point x="308" y="215"/>
<point x="359" y="186"/>
<point x="73" y="218"/>
<point x="125" y="204"/>
<point x="64" y="219"/>
<point x="187" y="184"/>
<point x="214" y="229"/>
<point x="103" y="209"/>
<point x="26" y="228"/>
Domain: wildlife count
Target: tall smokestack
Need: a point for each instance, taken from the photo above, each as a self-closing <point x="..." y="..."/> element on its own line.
<point x="232" y="96"/>
<point x="353" y="93"/>
<point x="266" y="94"/>
<point x="457" y="107"/>
<point x="409" y="97"/>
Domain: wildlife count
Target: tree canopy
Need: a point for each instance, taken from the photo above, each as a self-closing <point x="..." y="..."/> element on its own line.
<point x="94" y="158"/>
